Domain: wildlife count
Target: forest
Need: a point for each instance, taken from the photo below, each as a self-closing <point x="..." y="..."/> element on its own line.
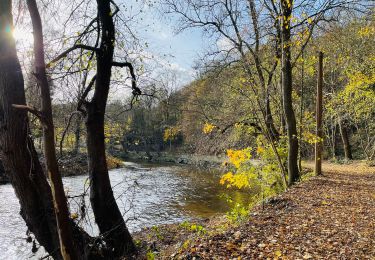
<point x="187" y="129"/>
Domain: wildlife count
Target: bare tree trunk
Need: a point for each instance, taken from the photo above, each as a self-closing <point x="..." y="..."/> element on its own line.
<point x="16" y="147"/>
<point x="77" y="134"/>
<point x="67" y="248"/>
<point x="107" y="214"/>
<point x="274" y="134"/>
<point x="281" y="112"/>
<point x="287" y="88"/>
<point x="269" y="120"/>
<point x="19" y="156"/>
<point x="345" y="141"/>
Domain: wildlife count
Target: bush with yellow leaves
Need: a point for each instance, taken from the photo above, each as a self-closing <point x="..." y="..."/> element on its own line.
<point x="208" y="128"/>
<point x="260" y="177"/>
<point x="113" y="162"/>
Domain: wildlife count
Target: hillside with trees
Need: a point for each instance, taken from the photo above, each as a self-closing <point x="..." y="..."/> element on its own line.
<point x="269" y="127"/>
<point x="218" y="110"/>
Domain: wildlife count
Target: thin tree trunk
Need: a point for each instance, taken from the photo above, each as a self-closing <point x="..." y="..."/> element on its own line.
<point x="345" y="141"/>
<point x="269" y="120"/>
<point x="287" y="88"/>
<point x="67" y="248"/>
<point x="281" y="112"/>
<point x="107" y="214"/>
<point x="77" y="134"/>
<point x="274" y="134"/>
<point x="16" y="147"/>
<point x="333" y="138"/>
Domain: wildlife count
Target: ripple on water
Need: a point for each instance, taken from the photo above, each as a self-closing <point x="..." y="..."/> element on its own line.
<point x="147" y="195"/>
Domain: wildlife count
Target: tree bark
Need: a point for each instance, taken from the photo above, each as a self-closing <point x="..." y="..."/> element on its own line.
<point x="77" y="134"/>
<point x="67" y="247"/>
<point x="345" y="141"/>
<point x="270" y="125"/>
<point x="18" y="153"/>
<point x="107" y="214"/>
<point x="275" y="136"/>
<point x="287" y="87"/>
<point x="16" y="147"/>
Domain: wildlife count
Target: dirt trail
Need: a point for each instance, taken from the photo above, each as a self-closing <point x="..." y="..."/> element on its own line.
<point x="328" y="217"/>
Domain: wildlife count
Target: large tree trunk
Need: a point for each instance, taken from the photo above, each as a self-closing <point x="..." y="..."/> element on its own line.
<point x="16" y="147"/>
<point x="345" y="141"/>
<point x="67" y="248"/>
<point x="18" y="153"/>
<point x="107" y="214"/>
<point x="287" y="88"/>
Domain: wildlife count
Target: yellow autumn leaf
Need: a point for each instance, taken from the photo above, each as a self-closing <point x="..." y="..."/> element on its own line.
<point x="208" y="128"/>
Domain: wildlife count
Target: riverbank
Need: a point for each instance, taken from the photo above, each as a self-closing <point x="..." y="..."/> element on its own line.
<point x="76" y="164"/>
<point x="204" y="161"/>
<point x="71" y="164"/>
<point x="330" y="216"/>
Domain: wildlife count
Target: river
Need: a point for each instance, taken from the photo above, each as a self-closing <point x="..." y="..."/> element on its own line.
<point x="147" y="194"/>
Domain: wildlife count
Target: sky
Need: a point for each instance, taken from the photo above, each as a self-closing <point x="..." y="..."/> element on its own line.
<point x="155" y="29"/>
<point x="176" y="50"/>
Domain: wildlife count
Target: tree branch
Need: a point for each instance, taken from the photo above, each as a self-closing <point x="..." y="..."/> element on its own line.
<point x="84" y="95"/>
<point x="33" y="111"/>
<point x="66" y="130"/>
<point x="65" y="53"/>
<point x="136" y="90"/>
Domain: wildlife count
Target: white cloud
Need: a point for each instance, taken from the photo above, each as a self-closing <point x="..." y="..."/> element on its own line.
<point x="224" y="44"/>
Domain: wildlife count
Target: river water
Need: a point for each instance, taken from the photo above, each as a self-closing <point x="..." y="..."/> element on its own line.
<point x="147" y="194"/>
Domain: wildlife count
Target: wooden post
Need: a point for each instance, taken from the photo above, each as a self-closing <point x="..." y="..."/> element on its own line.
<point x="301" y="113"/>
<point x="319" y="113"/>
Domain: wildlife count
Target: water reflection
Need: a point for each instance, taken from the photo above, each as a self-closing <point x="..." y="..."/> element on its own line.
<point x="147" y="195"/>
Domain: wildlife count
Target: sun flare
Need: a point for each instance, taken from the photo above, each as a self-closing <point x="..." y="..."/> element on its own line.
<point x="23" y="36"/>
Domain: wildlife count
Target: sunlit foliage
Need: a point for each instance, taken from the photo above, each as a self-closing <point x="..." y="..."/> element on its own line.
<point x="208" y="128"/>
<point x="262" y="176"/>
<point x="170" y="133"/>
